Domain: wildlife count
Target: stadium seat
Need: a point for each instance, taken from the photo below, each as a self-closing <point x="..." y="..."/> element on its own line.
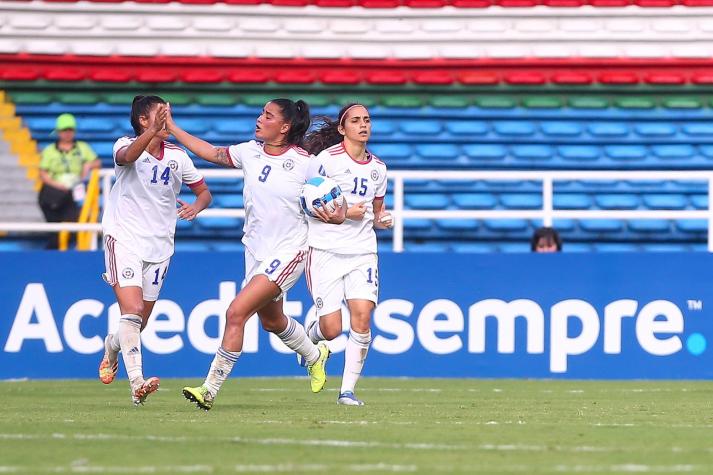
<point x="485" y="152"/>
<point x="474" y="201"/>
<point x="532" y="152"/>
<point x="514" y="129"/>
<point x="616" y="201"/>
<point x="601" y="225"/>
<point x="467" y="128"/>
<point x="438" y="152"/>
<point x="578" y="153"/>
<point x="561" y="129"/>
<point x="457" y="224"/>
<point x="649" y="225"/>
<point x="668" y="201"/>
<point x="571" y="201"/>
<point x="521" y="201"/>
<point x="427" y="201"/>
<point x="506" y="225"/>
<point x="421" y="127"/>
<point x="692" y="225"/>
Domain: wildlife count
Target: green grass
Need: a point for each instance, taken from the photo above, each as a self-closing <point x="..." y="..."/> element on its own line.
<point x="407" y="426"/>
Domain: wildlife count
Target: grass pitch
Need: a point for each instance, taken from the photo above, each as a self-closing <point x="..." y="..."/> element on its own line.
<point x="409" y="426"/>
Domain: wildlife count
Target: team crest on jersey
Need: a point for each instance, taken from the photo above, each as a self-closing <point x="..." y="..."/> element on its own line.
<point x="173" y="165"/>
<point x="288" y="164"/>
<point x="128" y="273"/>
<point x="319" y="302"/>
<point x="374" y="175"/>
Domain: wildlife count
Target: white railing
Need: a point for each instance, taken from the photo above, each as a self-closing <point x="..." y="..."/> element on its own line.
<point x="547" y="213"/>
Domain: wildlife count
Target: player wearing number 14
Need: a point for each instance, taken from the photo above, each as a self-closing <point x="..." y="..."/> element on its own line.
<point x="139" y="223"/>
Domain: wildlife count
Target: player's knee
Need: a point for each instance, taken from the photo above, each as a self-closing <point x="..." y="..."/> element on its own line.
<point x="235" y="317"/>
<point x="331" y="332"/>
<point x="133" y="308"/>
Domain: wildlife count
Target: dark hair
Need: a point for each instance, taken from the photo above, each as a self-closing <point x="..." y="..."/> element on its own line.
<point x="328" y="133"/>
<point x="141" y="105"/>
<point x="296" y="113"/>
<point x="549" y="234"/>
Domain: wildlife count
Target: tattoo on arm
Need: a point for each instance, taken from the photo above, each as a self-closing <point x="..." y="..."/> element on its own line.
<point x="221" y="154"/>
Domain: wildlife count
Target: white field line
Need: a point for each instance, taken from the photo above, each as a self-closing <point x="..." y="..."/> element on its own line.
<point x="633" y="468"/>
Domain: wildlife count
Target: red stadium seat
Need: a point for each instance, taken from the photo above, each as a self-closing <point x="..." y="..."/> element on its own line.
<point x="20" y="74"/>
<point x="295" y="77"/>
<point x="248" y="76"/>
<point x="64" y="74"/>
<point x="202" y="76"/>
<point x="702" y="78"/>
<point x="290" y="3"/>
<point x="572" y="78"/>
<point x="199" y="2"/>
<point x="564" y="3"/>
<point x="517" y="3"/>
<point x="618" y="78"/>
<point x="529" y="77"/>
<point x="335" y="3"/>
<point x="665" y="78"/>
<point x="386" y="77"/>
<point x="472" y="3"/>
<point x="475" y="78"/>
<point x="243" y="2"/>
<point x="610" y="3"/>
<point x="111" y="75"/>
<point x="379" y="3"/>
<point x="426" y="3"/>
<point x="340" y="77"/>
<point x="156" y="75"/>
<point x="655" y="3"/>
<point x="433" y="77"/>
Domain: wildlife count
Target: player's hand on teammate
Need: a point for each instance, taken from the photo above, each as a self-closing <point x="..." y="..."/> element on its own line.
<point x="384" y="220"/>
<point x="323" y="213"/>
<point x="187" y="211"/>
<point x="356" y="212"/>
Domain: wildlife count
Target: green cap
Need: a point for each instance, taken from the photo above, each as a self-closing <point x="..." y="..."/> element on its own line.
<point x="65" y="121"/>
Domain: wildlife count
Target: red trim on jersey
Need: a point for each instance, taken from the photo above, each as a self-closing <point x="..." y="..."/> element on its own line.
<point x="336" y="149"/>
<point x="290" y="268"/>
<point x="300" y="150"/>
<point x="230" y="156"/>
<point x="110" y="242"/>
<point x="368" y="155"/>
<point x="198" y="183"/>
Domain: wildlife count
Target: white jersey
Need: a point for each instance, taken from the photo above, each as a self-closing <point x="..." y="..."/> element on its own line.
<point x="359" y="182"/>
<point x="274" y="221"/>
<point x="141" y="209"/>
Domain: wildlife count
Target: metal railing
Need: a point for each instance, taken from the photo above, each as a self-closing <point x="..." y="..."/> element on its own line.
<point x="547" y="213"/>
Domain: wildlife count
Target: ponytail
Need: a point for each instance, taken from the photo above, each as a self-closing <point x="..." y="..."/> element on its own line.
<point x="297" y="115"/>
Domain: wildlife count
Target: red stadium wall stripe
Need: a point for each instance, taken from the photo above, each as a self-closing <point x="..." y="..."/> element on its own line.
<point x="473" y="72"/>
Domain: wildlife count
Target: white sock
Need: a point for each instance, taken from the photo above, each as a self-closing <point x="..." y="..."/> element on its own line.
<point x="315" y="333"/>
<point x="295" y="337"/>
<point x="129" y="336"/>
<point x="354" y="357"/>
<point x="114" y="342"/>
<point x="220" y="369"/>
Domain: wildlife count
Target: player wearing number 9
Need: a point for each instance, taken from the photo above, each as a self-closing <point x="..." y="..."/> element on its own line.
<point x="139" y="223"/>
<point x="275" y="236"/>
<point x="342" y="263"/>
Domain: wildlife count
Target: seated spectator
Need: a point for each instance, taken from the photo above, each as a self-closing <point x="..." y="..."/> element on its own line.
<point x="63" y="167"/>
<point x="546" y="239"/>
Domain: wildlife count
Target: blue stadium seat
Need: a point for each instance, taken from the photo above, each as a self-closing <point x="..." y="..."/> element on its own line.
<point x="561" y="129"/>
<point x="417" y="224"/>
<point x="674" y="152"/>
<point x="426" y="247"/>
<point x="626" y="152"/>
<point x="192" y="246"/>
<point x="514" y="247"/>
<point x="608" y="129"/>
<point x="577" y="247"/>
<point x="506" y="225"/>
<point x="699" y="201"/>
<point x="571" y="201"/>
<point x="669" y="201"/>
<point x="389" y="152"/>
<point x="234" y="128"/>
<point x="521" y="201"/>
<point x="221" y="223"/>
<point x="457" y="224"/>
<point x="486" y="151"/>
<point x="650" y="225"/>
<point x="617" y="201"/>
<point x="565" y="225"/>
<point x="579" y="153"/>
<point x="692" y="225"/>
<point x="698" y="129"/>
<point x="655" y="130"/>
<point x="601" y="225"/>
<point x="514" y="128"/>
<point x="532" y="152"/>
<point x="40" y="126"/>
<point x="96" y="125"/>
<point x="228" y="201"/>
<point x="615" y="247"/>
<point x="438" y="152"/>
<point x="196" y="126"/>
<point x="104" y="150"/>
<point x="421" y="127"/>
<point x="427" y="201"/>
<point x="664" y="247"/>
<point x="383" y="128"/>
<point x="474" y="201"/>
<point x="467" y="127"/>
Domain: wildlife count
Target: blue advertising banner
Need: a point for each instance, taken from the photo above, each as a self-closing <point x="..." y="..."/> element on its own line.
<point x="606" y="316"/>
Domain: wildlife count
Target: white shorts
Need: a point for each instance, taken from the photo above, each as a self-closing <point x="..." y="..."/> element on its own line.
<point x="332" y="278"/>
<point x="283" y="268"/>
<point x="125" y="268"/>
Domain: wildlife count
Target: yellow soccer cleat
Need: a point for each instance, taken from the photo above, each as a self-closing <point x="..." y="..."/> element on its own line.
<point x="318" y="369"/>
<point x="201" y="396"/>
<point x="109" y="364"/>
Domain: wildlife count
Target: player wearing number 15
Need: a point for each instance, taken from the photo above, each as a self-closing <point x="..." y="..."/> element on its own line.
<point x="139" y="223"/>
<point x="275" y="236"/>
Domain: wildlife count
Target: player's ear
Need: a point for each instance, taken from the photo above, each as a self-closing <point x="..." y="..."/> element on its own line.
<point x="341" y="130"/>
<point x="285" y="128"/>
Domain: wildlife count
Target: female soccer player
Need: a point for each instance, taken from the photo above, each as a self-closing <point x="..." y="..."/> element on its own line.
<point x="342" y="263"/>
<point x="275" y="237"/>
<point x="139" y="223"/>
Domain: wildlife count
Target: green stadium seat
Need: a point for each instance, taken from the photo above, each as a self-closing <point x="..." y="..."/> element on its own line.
<point x="542" y="102"/>
<point x="495" y="102"/>
<point x="588" y="103"/>
<point x="402" y="102"/>
<point x="31" y="97"/>
<point x="449" y="101"/>
<point x="77" y="98"/>
<point x="119" y="98"/>
<point x="682" y="103"/>
<point x="211" y="100"/>
<point x="635" y="103"/>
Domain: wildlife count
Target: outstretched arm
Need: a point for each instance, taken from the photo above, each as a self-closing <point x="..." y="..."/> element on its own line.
<point x="201" y="148"/>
